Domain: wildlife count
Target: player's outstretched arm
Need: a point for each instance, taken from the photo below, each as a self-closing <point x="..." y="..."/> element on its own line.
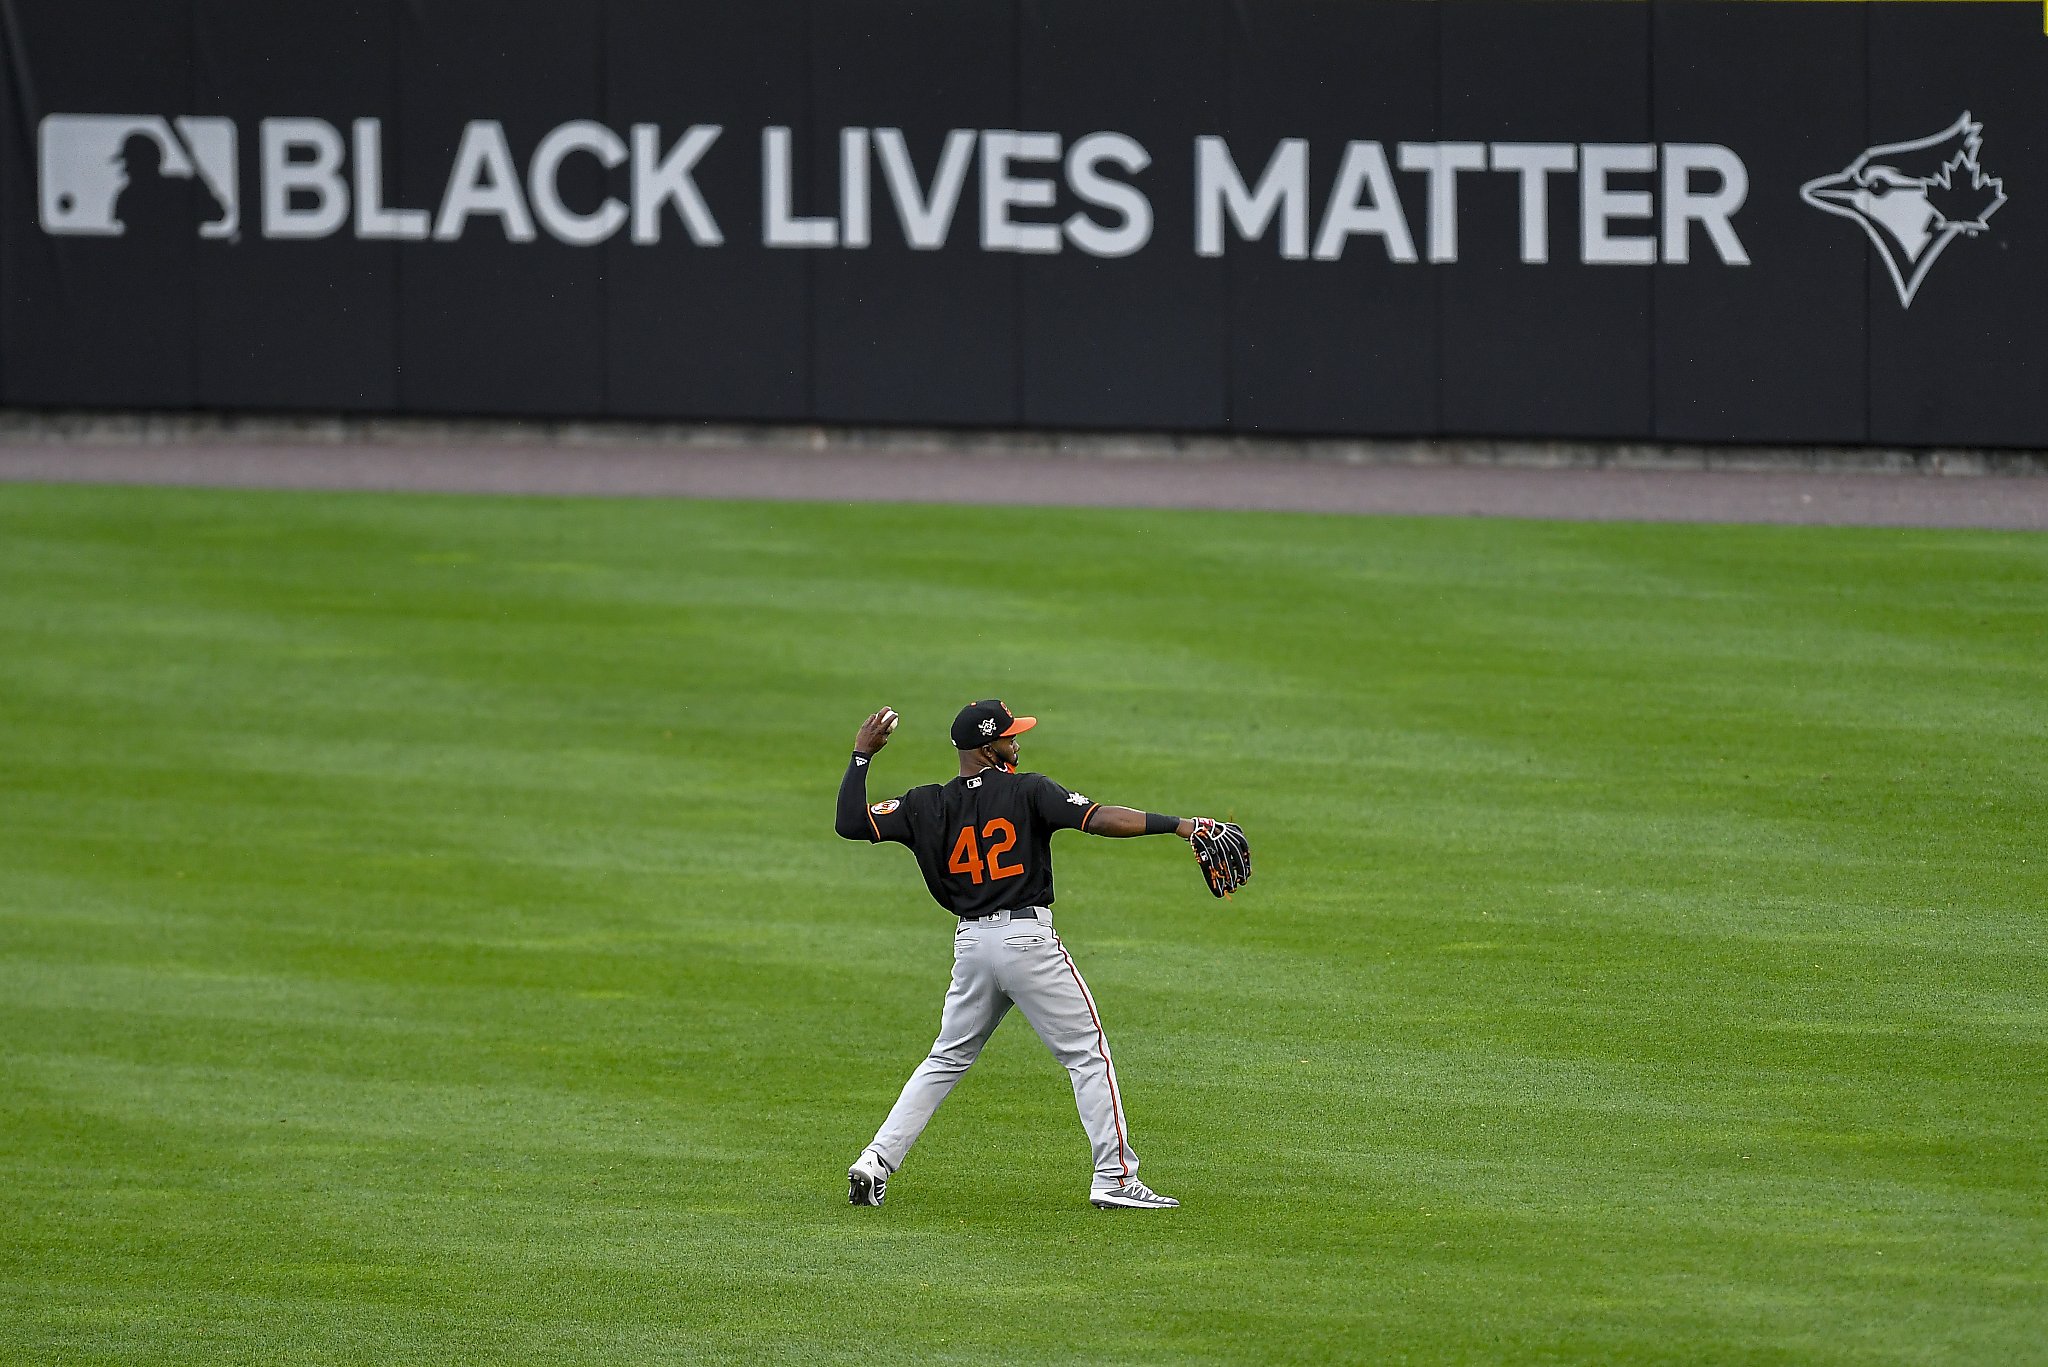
<point x="1221" y="850"/>
<point x="1120" y="822"/>
<point x="851" y="820"/>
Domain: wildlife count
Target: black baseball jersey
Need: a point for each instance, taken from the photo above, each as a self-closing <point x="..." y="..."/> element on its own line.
<point x="983" y="843"/>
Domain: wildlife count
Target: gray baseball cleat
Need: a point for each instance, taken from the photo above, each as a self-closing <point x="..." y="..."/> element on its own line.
<point x="1132" y="1195"/>
<point x="867" y="1180"/>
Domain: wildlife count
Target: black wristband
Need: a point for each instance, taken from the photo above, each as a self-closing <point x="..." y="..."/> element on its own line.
<point x="1155" y="824"/>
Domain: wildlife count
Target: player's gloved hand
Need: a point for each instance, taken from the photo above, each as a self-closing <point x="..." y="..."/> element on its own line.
<point x="1223" y="852"/>
<point x="875" y="731"/>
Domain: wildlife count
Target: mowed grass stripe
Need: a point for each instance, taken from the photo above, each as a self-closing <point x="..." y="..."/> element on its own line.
<point x="422" y="938"/>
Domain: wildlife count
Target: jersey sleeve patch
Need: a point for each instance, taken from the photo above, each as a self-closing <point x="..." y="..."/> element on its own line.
<point x="884" y="808"/>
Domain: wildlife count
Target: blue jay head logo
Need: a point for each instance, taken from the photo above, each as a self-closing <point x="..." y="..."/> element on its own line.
<point x="1914" y="198"/>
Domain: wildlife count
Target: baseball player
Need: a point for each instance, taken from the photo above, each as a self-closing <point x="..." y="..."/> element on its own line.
<point x="983" y="843"/>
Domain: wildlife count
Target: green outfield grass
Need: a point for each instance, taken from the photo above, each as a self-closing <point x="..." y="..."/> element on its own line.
<point x="423" y="940"/>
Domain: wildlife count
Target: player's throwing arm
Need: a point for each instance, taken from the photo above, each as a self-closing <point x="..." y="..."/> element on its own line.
<point x="983" y="843"/>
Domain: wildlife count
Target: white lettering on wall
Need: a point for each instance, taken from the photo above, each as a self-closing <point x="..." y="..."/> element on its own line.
<point x="1282" y="192"/>
<point x="483" y="181"/>
<point x="1001" y="191"/>
<point x="1535" y="163"/>
<point x="778" y="227"/>
<point x="317" y="176"/>
<point x="1364" y="169"/>
<point x="564" y="224"/>
<point x="1601" y="205"/>
<point x="1713" y="210"/>
<point x="1637" y="203"/>
<point x="926" y="218"/>
<point x="1084" y="176"/>
<point x="373" y="219"/>
<point x="1441" y="162"/>
<point x="854" y="225"/>
<point x="664" y="178"/>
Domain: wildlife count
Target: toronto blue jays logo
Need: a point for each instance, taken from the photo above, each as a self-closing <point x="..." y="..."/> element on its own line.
<point x="1914" y="198"/>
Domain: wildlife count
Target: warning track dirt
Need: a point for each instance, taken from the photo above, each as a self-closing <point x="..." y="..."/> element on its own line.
<point x="920" y="471"/>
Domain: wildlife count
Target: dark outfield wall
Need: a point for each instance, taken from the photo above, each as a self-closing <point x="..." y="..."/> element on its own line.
<point x="1743" y="221"/>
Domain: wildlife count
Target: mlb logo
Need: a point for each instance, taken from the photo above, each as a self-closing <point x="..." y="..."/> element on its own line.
<point x="96" y="171"/>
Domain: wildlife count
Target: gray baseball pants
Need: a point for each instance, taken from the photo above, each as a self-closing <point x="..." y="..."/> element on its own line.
<point x="998" y="962"/>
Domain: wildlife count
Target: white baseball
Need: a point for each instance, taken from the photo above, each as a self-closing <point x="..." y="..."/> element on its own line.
<point x="892" y="720"/>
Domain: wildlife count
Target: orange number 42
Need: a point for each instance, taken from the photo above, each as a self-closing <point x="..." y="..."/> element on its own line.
<point x="966" y="857"/>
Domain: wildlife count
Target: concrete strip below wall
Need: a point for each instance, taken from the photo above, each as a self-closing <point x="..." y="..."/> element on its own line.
<point x="1568" y="481"/>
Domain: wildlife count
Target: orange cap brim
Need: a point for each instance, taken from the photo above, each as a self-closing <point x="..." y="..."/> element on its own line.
<point x="1020" y="724"/>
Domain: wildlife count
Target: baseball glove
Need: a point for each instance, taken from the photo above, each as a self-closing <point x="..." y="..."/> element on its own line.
<point x="1224" y="854"/>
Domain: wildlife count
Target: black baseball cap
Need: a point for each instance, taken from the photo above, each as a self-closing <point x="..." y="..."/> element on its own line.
<point x="981" y="722"/>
